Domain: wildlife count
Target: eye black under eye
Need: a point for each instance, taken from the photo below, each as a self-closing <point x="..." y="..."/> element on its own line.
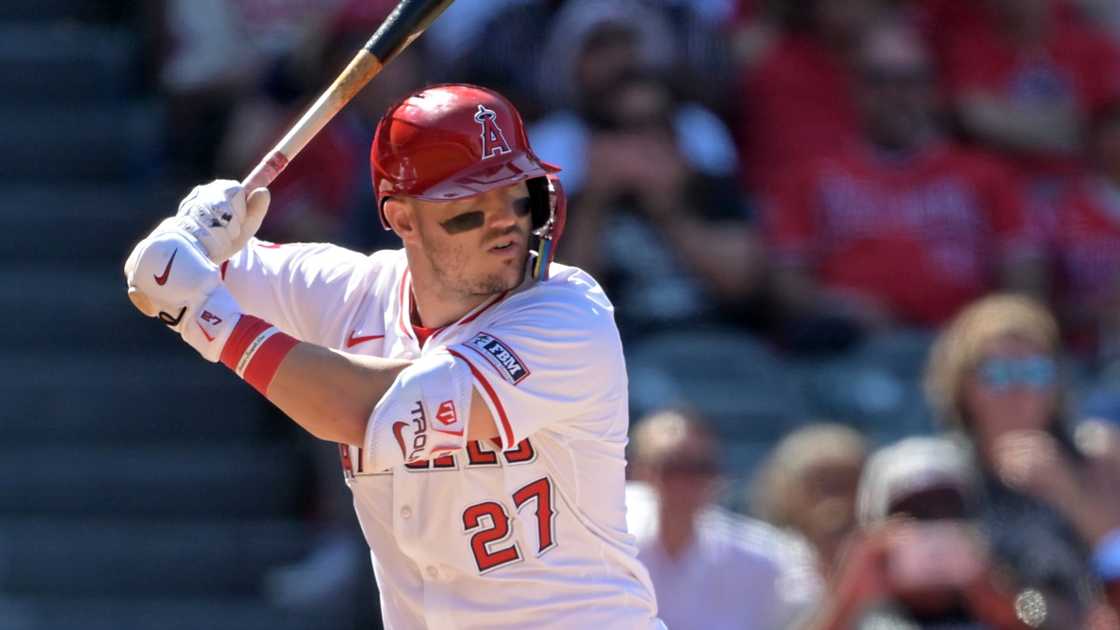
<point x="521" y="206"/>
<point x="463" y="222"/>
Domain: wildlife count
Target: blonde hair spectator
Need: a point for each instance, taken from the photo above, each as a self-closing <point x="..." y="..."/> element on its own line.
<point x="808" y="484"/>
<point x="961" y="346"/>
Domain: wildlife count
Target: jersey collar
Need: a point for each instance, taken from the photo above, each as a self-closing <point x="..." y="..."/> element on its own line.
<point x="408" y="324"/>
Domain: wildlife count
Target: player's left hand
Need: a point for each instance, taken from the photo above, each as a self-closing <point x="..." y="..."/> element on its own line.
<point x="170" y="277"/>
<point x="222" y="218"/>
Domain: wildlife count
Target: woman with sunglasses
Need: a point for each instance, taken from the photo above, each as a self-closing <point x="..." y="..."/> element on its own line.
<point x="1052" y="515"/>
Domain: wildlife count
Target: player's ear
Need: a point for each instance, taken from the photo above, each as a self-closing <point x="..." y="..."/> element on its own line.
<point x="400" y="217"/>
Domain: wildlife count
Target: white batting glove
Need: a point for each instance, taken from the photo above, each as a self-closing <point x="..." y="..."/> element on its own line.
<point x="170" y="277"/>
<point x="220" y="217"/>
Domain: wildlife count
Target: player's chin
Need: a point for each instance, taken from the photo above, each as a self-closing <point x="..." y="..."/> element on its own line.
<point x="507" y="277"/>
<point x="512" y="274"/>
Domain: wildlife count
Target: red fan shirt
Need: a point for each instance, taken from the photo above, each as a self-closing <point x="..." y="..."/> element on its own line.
<point x="1088" y="255"/>
<point x="796" y="105"/>
<point x="1073" y="65"/>
<point x="923" y="235"/>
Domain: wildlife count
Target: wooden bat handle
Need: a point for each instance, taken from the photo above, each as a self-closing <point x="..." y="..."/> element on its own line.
<point x="363" y="67"/>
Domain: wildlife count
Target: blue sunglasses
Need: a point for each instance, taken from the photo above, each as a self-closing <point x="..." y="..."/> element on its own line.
<point x="1037" y="372"/>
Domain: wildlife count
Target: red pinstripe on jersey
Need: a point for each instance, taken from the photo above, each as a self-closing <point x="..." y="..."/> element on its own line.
<point x="403" y="306"/>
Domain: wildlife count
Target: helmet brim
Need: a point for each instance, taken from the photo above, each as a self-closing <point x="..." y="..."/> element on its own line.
<point x="505" y="170"/>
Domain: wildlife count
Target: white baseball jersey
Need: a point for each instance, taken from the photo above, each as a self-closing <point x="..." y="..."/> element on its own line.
<point x="526" y="531"/>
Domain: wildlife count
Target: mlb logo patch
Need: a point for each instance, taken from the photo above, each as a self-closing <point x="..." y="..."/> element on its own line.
<point x="500" y="356"/>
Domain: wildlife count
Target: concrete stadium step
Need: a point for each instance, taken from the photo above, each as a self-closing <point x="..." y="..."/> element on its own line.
<point x="51" y="300"/>
<point x="79" y="223"/>
<point x="166" y="394"/>
<point x="28" y="613"/>
<point x="735" y="380"/>
<point x="183" y="480"/>
<point x="64" y="63"/>
<point x="114" y="558"/>
<point x="43" y="10"/>
<point x="68" y="144"/>
<point x="91" y="302"/>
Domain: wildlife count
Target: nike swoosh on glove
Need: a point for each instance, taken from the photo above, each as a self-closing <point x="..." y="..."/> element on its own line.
<point x="170" y="277"/>
<point x="221" y="218"/>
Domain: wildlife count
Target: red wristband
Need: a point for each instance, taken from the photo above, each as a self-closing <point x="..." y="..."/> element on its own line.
<point x="254" y="351"/>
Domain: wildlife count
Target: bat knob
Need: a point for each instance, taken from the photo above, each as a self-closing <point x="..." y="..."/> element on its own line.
<point x="141" y="302"/>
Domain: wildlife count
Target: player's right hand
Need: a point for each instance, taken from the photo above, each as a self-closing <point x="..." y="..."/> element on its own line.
<point x="170" y="277"/>
<point x="220" y="217"/>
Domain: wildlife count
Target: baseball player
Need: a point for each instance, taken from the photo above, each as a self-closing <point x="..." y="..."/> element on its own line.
<point x="477" y="390"/>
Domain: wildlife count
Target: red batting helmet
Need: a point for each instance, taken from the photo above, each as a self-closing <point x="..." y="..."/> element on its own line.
<point x="451" y="141"/>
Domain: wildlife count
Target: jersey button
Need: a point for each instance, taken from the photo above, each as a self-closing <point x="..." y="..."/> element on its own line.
<point x="406" y="512"/>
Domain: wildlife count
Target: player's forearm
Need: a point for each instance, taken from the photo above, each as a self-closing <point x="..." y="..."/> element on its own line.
<point x="329" y="393"/>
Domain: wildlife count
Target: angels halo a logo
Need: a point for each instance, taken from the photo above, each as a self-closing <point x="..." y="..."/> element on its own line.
<point x="493" y="140"/>
<point x="446" y="413"/>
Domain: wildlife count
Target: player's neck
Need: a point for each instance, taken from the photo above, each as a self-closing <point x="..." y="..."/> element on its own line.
<point x="434" y="306"/>
<point x="434" y="310"/>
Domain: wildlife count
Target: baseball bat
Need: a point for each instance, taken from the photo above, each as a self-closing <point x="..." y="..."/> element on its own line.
<point x="407" y="22"/>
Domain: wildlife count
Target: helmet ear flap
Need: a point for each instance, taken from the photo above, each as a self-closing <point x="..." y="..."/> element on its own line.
<point x="540" y="203"/>
<point x="559" y="203"/>
<point x="550" y="204"/>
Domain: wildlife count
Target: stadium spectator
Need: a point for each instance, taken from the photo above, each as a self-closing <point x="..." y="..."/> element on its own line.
<point x="711" y="568"/>
<point x="1050" y="515"/>
<point x="900" y="228"/>
<point x="656" y="213"/>
<point x="918" y="560"/>
<point x="807" y="486"/>
<point x="704" y="69"/>
<point x="1103" y="13"/>
<point x="680" y="39"/>
<point x="503" y="50"/>
<point x="1087" y="247"/>
<point x="1023" y="77"/>
<point x="753" y="32"/>
<point x="796" y="100"/>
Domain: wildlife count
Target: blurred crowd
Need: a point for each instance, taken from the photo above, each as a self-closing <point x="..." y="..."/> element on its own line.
<point x="902" y="217"/>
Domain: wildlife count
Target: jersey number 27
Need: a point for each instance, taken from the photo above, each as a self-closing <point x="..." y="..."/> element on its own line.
<point x="489" y="524"/>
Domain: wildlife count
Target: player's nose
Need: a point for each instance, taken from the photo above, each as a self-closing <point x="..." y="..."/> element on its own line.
<point x="501" y="213"/>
